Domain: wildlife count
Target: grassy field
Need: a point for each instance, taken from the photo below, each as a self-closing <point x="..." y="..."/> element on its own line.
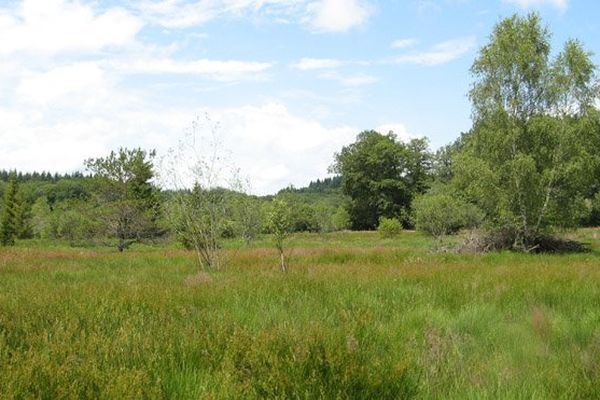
<point x="356" y="317"/>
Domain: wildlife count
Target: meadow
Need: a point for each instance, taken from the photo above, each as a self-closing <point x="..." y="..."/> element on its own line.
<point x="355" y="317"/>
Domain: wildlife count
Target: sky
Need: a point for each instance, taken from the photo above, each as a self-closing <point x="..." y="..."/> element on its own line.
<point x="282" y="84"/>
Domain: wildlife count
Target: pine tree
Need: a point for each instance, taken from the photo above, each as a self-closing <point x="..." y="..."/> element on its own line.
<point x="23" y="217"/>
<point x="10" y="211"/>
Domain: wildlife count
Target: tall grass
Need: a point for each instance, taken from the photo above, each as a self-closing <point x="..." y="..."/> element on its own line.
<point x="356" y="317"/>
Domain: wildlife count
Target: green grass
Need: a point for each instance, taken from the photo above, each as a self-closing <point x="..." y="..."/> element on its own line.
<point x="356" y="317"/>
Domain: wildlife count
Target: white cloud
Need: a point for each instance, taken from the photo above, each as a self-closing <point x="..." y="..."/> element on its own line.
<point x="55" y="26"/>
<point x="338" y="15"/>
<point x="229" y="70"/>
<point x="441" y="53"/>
<point x="185" y="14"/>
<point x="320" y="15"/>
<point x="526" y="4"/>
<point x="398" y="129"/>
<point x="350" y="80"/>
<point x="61" y="136"/>
<point x="175" y="14"/>
<point x="276" y="147"/>
<point x="43" y="88"/>
<point x="403" y="43"/>
<point x="308" y="64"/>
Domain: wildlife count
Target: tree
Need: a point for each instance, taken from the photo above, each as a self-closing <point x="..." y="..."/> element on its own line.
<point x="281" y="226"/>
<point x="444" y="159"/>
<point x="9" y="227"/>
<point x="381" y="176"/>
<point x="200" y="216"/>
<point x="248" y="216"/>
<point x="23" y="217"/>
<point x="42" y="218"/>
<point x="440" y="213"/>
<point x="529" y="156"/>
<point x="78" y="220"/>
<point x="340" y="219"/>
<point x="129" y="201"/>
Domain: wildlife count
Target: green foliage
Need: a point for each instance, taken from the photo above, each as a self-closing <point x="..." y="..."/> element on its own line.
<point x="313" y="210"/>
<point x="592" y="214"/>
<point x="304" y="217"/>
<point x="248" y="217"/>
<point x="443" y="160"/>
<point x="341" y="219"/>
<point x="381" y="176"/>
<point x="441" y="214"/>
<point x="320" y="186"/>
<point x="16" y="214"/>
<point x="200" y="221"/>
<point x="11" y="213"/>
<point x="129" y="202"/>
<point x="389" y="227"/>
<point x="531" y="152"/>
<point x="78" y="221"/>
<point x="330" y="218"/>
<point x="280" y="221"/>
<point x="41" y="218"/>
<point x="23" y="217"/>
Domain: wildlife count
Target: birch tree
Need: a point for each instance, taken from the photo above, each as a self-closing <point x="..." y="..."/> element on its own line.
<point x="529" y="157"/>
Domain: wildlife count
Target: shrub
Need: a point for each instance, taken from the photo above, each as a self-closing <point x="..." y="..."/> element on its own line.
<point x="389" y="227"/>
<point x="341" y="219"/>
<point x="442" y="214"/>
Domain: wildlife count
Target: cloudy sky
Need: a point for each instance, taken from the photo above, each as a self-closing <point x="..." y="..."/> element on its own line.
<point x="289" y="81"/>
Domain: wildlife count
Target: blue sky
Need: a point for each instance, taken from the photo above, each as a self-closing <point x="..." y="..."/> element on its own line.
<point x="289" y="81"/>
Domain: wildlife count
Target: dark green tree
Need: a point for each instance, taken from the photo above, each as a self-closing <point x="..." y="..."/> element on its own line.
<point x="129" y="202"/>
<point x="23" y="217"/>
<point x="381" y="175"/>
<point x="9" y="223"/>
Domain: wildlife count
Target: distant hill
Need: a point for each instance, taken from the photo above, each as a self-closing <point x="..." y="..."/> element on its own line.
<point x="326" y="185"/>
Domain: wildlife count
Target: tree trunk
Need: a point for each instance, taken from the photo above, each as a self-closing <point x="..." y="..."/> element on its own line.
<point x="282" y="265"/>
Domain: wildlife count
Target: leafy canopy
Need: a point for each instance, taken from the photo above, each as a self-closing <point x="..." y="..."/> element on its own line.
<point x="381" y="175"/>
<point x="129" y="202"/>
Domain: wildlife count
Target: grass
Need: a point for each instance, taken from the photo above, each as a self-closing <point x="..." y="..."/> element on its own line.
<point x="356" y="317"/>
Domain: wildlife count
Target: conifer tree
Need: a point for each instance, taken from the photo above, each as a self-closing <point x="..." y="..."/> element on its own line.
<point x="10" y="210"/>
<point x="23" y="217"/>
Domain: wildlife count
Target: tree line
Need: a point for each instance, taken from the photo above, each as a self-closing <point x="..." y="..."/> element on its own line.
<point x="119" y="202"/>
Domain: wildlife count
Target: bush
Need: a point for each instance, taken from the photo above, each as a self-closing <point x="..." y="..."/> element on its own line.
<point x="481" y="241"/>
<point x="442" y="214"/>
<point x="592" y="215"/>
<point x="389" y="227"/>
<point x="341" y="219"/>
